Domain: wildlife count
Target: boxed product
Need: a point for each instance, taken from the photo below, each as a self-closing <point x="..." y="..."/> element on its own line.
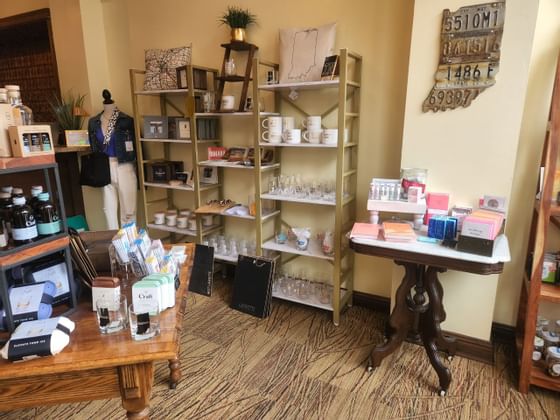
<point x="105" y="288"/>
<point x="479" y="232"/>
<point x="437" y="204"/>
<point x="6" y="120"/>
<point x="31" y="140"/>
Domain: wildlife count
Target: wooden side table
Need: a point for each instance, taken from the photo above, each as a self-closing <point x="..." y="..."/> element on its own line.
<point x="419" y="298"/>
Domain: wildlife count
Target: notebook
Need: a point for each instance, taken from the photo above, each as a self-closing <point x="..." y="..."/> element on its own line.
<point x="398" y="232"/>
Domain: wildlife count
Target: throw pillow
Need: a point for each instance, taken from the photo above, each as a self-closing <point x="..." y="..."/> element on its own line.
<point x="303" y="52"/>
<point x="161" y="65"/>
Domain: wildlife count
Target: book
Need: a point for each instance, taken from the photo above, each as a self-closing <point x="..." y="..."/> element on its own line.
<point x="364" y="231"/>
<point x="398" y="232"/>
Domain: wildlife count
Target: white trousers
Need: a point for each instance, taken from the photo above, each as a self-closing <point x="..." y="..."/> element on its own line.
<point x="121" y="191"/>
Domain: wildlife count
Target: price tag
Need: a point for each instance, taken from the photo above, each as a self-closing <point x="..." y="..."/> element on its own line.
<point x="128" y="146"/>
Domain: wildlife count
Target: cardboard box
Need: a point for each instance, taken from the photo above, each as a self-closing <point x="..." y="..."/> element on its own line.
<point x="31" y="140"/>
<point x="6" y="120"/>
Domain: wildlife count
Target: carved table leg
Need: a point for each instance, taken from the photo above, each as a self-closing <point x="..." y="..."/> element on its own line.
<point x="445" y="343"/>
<point x="135" y="383"/>
<point x="175" y="372"/>
<point x="400" y="320"/>
<point x="430" y="328"/>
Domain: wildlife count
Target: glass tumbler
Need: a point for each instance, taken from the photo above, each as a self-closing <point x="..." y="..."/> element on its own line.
<point x="143" y="325"/>
<point x="111" y="314"/>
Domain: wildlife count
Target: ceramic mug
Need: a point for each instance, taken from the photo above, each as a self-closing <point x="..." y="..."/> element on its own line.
<point x="271" y="137"/>
<point x="288" y="123"/>
<point x="329" y="136"/>
<point x="171" y="219"/>
<point x="227" y="103"/>
<point x="159" y="218"/>
<point x="312" y="123"/>
<point x="292" y="136"/>
<point x="273" y="124"/>
<point x="207" y="220"/>
<point x="182" y="222"/>
<point x="312" y="136"/>
<point x="191" y="224"/>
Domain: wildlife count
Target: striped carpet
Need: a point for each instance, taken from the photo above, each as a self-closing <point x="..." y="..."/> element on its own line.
<point x="297" y="365"/>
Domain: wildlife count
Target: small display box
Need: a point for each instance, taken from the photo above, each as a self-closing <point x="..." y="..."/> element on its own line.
<point x="31" y="140"/>
<point x="155" y="127"/>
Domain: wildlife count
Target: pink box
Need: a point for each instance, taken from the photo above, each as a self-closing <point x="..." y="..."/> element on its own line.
<point x="438" y="204"/>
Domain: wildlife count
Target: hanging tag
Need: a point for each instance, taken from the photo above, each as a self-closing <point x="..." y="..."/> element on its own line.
<point x="128" y="146"/>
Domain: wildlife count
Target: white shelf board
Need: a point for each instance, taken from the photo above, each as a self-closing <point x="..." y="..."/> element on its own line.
<point x="167" y="186"/>
<point x="178" y="141"/>
<point x="308" y="302"/>
<point x="233" y="114"/>
<point x="313" y="249"/>
<point x="247" y="217"/>
<point x="158" y="92"/>
<point x="187" y="232"/>
<point x="319" y="84"/>
<point x="277" y="197"/>
<point x="301" y="145"/>
<point x="234" y="165"/>
<point x="226" y="258"/>
<point x="397" y="206"/>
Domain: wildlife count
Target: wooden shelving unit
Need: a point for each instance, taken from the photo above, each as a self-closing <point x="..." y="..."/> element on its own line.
<point x="346" y="107"/>
<point x="534" y="291"/>
<point x="42" y="247"/>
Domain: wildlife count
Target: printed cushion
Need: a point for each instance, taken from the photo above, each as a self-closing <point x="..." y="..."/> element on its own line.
<point x="161" y="65"/>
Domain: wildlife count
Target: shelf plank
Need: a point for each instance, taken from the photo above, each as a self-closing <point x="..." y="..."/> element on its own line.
<point x="27" y="162"/>
<point x="541" y="379"/>
<point x="233" y="78"/>
<point x="234" y="114"/>
<point x="187" y="232"/>
<point x="239" y="46"/>
<point x="178" y="141"/>
<point x="267" y="196"/>
<point x="167" y="186"/>
<point x="264" y="217"/>
<point x="310" y="302"/>
<point x="167" y="91"/>
<point x="234" y="165"/>
<point x="300" y="145"/>
<point x="20" y="256"/>
<point x="226" y="258"/>
<point x="313" y="249"/>
<point x="554" y="207"/>
<point x="550" y="292"/>
<point x="319" y="84"/>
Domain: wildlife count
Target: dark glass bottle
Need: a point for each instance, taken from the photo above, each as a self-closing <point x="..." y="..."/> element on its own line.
<point x="6" y="206"/>
<point x="24" y="227"/>
<point x="35" y="191"/>
<point x="17" y="192"/>
<point x="48" y="222"/>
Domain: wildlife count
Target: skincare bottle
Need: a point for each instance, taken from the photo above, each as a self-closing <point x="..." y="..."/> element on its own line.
<point x="24" y="228"/>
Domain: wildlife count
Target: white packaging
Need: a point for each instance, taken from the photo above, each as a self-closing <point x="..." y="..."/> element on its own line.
<point x="6" y="120"/>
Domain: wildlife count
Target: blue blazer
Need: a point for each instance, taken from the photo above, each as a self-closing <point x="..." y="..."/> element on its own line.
<point x="124" y="132"/>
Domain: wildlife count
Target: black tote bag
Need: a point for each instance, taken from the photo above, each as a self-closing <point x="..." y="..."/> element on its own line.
<point x="95" y="170"/>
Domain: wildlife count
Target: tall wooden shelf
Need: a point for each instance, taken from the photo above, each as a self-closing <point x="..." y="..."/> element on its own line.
<point x="346" y="108"/>
<point x="534" y="291"/>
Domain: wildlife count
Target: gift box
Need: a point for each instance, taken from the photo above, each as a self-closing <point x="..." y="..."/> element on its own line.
<point x="442" y="227"/>
<point x="438" y="204"/>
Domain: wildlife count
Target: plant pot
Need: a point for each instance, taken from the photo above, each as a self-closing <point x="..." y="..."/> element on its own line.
<point x="238" y="35"/>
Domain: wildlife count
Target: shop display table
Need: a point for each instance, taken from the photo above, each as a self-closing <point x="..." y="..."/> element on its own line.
<point x="422" y="308"/>
<point x="95" y="366"/>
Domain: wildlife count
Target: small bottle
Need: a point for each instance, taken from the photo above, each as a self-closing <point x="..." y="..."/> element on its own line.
<point x="6" y="206"/>
<point x="3" y="235"/>
<point x="553" y="361"/>
<point x="538" y="348"/>
<point x="7" y="189"/>
<point x="48" y="222"/>
<point x="22" y="113"/>
<point x="35" y="191"/>
<point x="24" y="227"/>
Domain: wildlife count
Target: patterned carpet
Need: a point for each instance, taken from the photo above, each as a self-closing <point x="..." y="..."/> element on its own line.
<point x="297" y="365"/>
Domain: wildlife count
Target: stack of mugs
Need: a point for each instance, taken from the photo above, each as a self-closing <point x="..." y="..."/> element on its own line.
<point x="282" y="130"/>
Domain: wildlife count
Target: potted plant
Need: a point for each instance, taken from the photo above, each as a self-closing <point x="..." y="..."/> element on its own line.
<point x="237" y="19"/>
<point x="69" y="114"/>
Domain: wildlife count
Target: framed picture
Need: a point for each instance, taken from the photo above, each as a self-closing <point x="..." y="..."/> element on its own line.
<point x="330" y="68"/>
<point x="182" y="77"/>
<point x="76" y="138"/>
<point x="183" y="128"/>
<point x="209" y="175"/>
<point x="155" y="127"/>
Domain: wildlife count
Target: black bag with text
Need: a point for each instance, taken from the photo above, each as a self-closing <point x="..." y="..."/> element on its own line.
<point x="95" y="170"/>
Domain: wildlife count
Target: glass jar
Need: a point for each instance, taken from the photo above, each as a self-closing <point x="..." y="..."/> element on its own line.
<point x="413" y="177"/>
<point x="542" y="325"/>
<point x="24" y="227"/>
<point x="35" y="191"/>
<point x="538" y="348"/>
<point x="553" y="361"/>
<point x="22" y="113"/>
<point x="551" y="339"/>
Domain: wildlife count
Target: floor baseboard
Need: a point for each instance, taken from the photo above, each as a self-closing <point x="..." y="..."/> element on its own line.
<point x="469" y="347"/>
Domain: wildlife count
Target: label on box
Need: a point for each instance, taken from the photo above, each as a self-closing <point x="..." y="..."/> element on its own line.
<point x="104" y="293"/>
<point x="146" y="297"/>
<point x="478" y="229"/>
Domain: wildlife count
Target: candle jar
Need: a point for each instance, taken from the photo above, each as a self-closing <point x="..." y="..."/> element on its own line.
<point x="553" y="361"/>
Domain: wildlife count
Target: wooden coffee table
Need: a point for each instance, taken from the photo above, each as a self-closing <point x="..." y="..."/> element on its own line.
<point x="95" y="366"/>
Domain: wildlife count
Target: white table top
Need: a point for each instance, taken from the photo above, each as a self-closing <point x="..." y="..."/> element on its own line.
<point x="501" y="249"/>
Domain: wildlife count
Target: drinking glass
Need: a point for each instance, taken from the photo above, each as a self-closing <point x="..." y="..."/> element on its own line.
<point x="111" y="314"/>
<point x="143" y="325"/>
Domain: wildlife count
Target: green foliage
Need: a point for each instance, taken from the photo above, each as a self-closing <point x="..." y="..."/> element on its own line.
<point x="68" y="111"/>
<point x="236" y="17"/>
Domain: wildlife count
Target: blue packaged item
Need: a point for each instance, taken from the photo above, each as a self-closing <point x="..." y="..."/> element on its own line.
<point x="30" y="302"/>
<point x="442" y="227"/>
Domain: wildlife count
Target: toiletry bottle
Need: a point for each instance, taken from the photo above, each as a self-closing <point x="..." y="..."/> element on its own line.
<point x="34" y="200"/>
<point x="22" y="113"/>
<point x="6" y="206"/>
<point x="48" y="222"/>
<point x="24" y="228"/>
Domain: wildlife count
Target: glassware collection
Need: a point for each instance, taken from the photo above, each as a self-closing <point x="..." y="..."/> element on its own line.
<point x="309" y="287"/>
<point x="229" y="246"/>
<point x="294" y="186"/>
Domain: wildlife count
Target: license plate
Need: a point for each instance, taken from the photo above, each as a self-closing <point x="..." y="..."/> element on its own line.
<point x="481" y="17"/>
<point x="465" y="75"/>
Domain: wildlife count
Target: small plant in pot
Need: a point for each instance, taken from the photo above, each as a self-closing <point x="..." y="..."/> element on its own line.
<point x="237" y="19"/>
<point x="69" y="114"/>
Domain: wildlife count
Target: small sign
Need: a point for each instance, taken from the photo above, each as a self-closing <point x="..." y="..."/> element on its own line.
<point x="331" y="68"/>
<point x="76" y="138"/>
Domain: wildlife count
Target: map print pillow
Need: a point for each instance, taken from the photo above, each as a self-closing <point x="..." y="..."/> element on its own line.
<point x="161" y="73"/>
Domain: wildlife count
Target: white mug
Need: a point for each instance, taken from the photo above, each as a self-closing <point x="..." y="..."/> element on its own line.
<point x="329" y="136"/>
<point x="207" y="220"/>
<point x="159" y="218"/>
<point x="288" y="123"/>
<point x="312" y="136"/>
<point x="191" y="223"/>
<point x="271" y="137"/>
<point x="227" y="103"/>
<point x="273" y="124"/>
<point x="171" y="219"/>
<point x="312" y="123"/>
<point x="182" y="222"/>
<point x="292" y="136"/>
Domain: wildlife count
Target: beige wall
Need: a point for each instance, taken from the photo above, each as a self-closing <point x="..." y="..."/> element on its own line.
<point x="116" y="32"/>
<point x="469" y="151"/>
